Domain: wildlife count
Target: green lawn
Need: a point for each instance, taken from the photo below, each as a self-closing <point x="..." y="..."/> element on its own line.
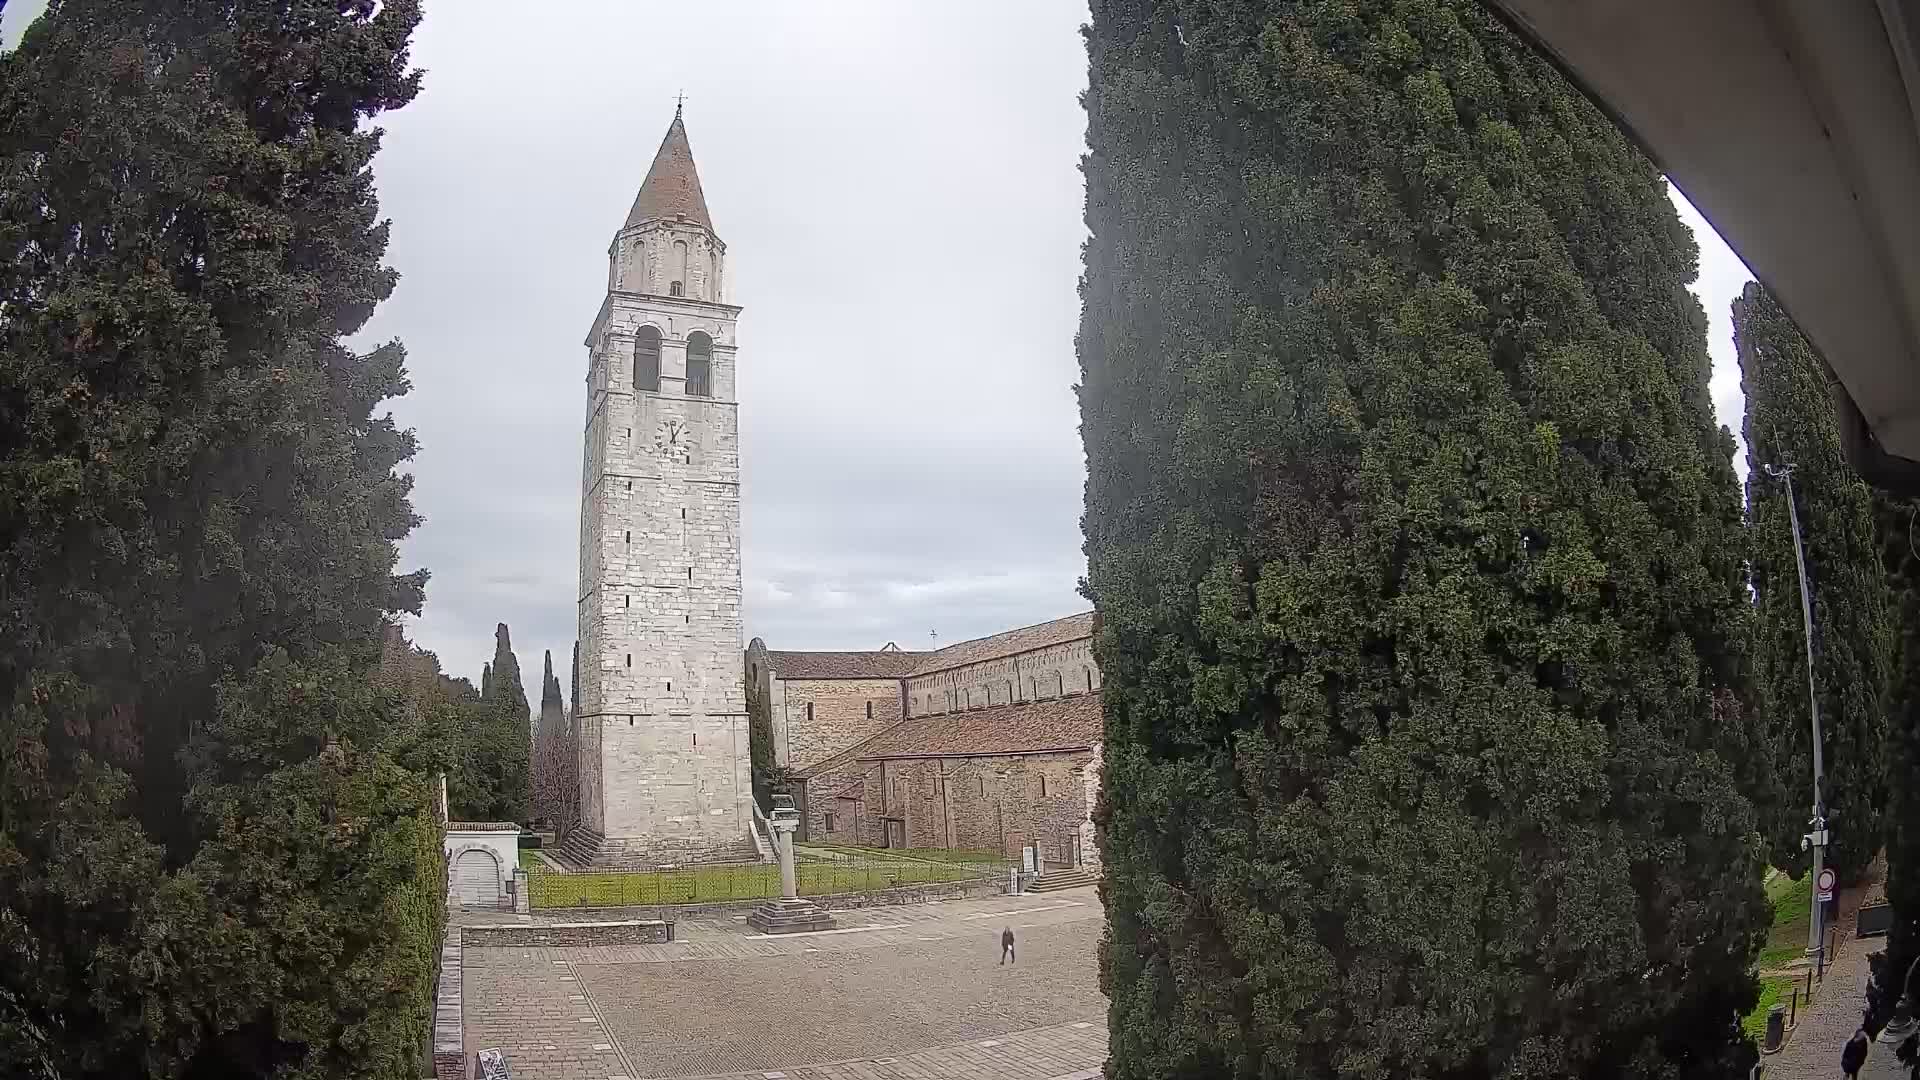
<point x="1787" y="938"/>
<point x="529" y="861"/>
<point x="745" y="882"/>
<point x="1786" y="942"/>
<point x="1773" y="992"/>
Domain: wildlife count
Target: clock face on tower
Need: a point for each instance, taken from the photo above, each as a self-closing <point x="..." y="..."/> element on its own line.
<point x="671" y="441"/>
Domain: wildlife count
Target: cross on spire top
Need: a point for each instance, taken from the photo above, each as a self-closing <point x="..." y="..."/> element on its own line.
<point x="679" y="99"/>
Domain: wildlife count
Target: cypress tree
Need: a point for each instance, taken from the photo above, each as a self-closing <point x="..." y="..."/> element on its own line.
<point x="507" y="690"/>
<point x="1416" y="551"/>
<point x="216" y="851"/>
<point x="498" y="742"/>
<point x="1897" y="526"/>
<point x="551" y="748"/>
<point x="1790" y="420"/>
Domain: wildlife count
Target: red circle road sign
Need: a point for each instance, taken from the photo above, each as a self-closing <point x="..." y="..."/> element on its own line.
<point x="1826" y="879"/>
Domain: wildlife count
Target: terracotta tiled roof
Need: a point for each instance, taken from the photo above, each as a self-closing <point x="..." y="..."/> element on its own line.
<point x="672" y="185"/>
<point x="1064" y="723"/>
<point x="1025" y="639"/>
<point x="877" y="664"/>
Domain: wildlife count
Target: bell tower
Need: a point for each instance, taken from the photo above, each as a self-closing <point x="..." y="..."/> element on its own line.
<point x="664" y="774"/>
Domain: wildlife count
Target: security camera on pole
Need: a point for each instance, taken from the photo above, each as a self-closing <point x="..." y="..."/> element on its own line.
<point x="1816" y="840"/>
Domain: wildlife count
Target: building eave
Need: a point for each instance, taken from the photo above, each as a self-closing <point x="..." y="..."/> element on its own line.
<point x="1794" y="130"/>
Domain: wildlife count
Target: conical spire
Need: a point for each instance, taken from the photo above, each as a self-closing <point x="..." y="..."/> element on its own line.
<point x="672" y="185"/>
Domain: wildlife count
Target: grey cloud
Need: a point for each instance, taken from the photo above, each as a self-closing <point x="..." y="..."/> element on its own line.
<point x="898" y="186"/>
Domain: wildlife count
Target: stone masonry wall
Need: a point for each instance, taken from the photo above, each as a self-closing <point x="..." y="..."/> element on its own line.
<point x="563" y="935"/>
<point x="449" y="1030"/>
<point x="1029" y="676"/>
<point x="844" y="712"/>
<point x="821" y="789"/>
<point x="981" y="803"/>
<point x="662" y="715"/>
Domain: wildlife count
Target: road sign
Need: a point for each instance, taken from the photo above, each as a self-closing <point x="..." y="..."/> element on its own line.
<point x="1824" y="886"/>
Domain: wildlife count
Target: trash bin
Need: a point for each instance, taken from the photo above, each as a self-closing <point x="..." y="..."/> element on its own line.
<point x="1776" y="1030"/>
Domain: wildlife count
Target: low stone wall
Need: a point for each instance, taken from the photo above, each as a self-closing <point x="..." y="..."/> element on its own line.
<point x="449" y="1035"/>
<point x="567" y="934"/>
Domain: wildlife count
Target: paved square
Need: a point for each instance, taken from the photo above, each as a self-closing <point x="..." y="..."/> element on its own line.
<point x="915" y="993"/>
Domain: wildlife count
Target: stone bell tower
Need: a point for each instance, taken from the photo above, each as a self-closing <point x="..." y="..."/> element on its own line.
<point x="662" y="712"/>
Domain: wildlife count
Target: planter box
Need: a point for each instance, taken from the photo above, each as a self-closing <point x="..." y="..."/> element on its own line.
<point x="1874" y="920"/>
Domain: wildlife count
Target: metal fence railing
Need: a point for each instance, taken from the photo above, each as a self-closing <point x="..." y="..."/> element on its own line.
<point x="714" y="883"/>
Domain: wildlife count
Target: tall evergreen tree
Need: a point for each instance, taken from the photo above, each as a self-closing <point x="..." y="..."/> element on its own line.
<point x="1897" y="525"/>
<point x="551" y="750"/>
<point x="1417" y="557"/>
<point x="507" y="689"/>
<point x="496" y="782"/>
<point x="1790" y="420"/>
<point x="216" y="857"/>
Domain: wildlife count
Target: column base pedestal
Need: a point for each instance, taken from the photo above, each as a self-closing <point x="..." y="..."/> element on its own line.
<point x="790" y="916"/>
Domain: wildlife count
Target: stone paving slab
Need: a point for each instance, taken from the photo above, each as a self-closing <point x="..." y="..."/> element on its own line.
<point x="911" y="993"/>
<point x="735" y="941"/>
<point x="1061" y="1052"/>
<point x="539" y="1013"/>
<point x="1812" y="1050"/>
<point x="783" y="1012"/>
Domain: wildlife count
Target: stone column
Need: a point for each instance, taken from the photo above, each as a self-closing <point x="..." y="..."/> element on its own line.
<point x="783" y="837"/>
<point x="792" y="913"/>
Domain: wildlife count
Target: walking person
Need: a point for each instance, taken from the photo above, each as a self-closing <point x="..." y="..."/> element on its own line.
<point x="1006" y="946"/>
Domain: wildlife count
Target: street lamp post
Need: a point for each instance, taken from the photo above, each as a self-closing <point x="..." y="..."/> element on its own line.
<point x="1816" y="840"/>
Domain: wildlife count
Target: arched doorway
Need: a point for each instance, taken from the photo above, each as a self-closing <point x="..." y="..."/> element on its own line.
<point x="476" y="878"/>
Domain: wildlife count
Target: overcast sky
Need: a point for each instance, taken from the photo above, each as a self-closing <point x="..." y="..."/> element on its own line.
<point x="898" y="187"/>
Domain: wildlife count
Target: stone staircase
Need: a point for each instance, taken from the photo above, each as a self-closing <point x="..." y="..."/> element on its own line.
<point x="1055" y="880"/>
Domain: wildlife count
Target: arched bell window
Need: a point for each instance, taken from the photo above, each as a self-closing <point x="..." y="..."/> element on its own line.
<point x="699" y="365"/>
<point x="646" y="360"/>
